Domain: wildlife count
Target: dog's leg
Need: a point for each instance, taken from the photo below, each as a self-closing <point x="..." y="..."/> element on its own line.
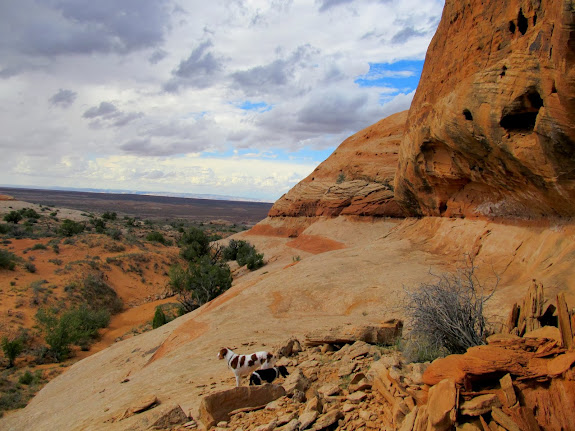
<point x="237" y="381"/>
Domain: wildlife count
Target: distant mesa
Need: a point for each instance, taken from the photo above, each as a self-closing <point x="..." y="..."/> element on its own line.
<point x="6" y="198"/>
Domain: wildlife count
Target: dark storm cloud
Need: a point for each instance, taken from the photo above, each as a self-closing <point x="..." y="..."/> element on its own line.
<point x="278" y="73"/>
<point x="60" y="27"/>
<point x="63" y="98"/>
<point x="328" y="4"/>
<point x="199" y="70"/>
<point x="107" y="115"/>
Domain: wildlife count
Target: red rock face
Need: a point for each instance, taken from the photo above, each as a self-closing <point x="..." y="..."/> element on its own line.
<point x="356" y="179"/>
<point x="491" y="130"/>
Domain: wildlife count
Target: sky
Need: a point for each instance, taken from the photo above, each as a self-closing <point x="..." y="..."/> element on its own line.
<point x="236" y="98"/>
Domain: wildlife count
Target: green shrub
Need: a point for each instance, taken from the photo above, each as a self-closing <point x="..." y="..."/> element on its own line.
<point x="194" y="244"/>
<point x="244" y="253"/>
<point x="96" y="292"/>
<point x="13" y="217"/>
<point x="159" y="318"/>
<point x="39" y="246"/>
<point x="231" y="251"/>
<point x="109" y="215"/>
<point x="247" y="255"/>
<point x="99" y="225"/>
<point x="30" y="267"/>
<point x="70" y="228"/>
<point x="115" y="234"/>
<point x="29" y="213"/>
<point x="201" y="282"/>
<point x="7" y="260"/>
<point x="156" y="236"/>
<point x="77" y="326"/>
<point x="340" y="178"/>
<point x="11" y="348"/>
<point x="26" y="379"/>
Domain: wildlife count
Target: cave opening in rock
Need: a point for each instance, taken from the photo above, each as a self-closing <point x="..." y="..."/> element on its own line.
<point x="521" y="114"/>
<point x="467" y="115"/>
<point x="522" y="22"/>
<point x="511" y="26"/>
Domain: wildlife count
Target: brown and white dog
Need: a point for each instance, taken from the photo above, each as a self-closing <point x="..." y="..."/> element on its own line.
<point x="242" y="365"/>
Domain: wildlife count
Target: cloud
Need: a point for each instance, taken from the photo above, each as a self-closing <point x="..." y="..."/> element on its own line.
<point x="156" y="83"/>
<point x="328" y="4"/>
<point x="105" y="109"/>
<point x="406" y="34"/>
<point x="157" y="56"/>
<point x="107" y="115"/>
<point x="64" y="27"/>
<point x="200" y="69"/>
<point x="63" y="98"/>
<point x="267" y="78"/>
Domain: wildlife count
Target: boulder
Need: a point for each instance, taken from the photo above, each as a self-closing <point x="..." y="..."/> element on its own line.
<point x="216" y="407"/>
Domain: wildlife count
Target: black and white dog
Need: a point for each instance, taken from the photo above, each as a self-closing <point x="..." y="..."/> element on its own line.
<point x="268" y="375"/>
<point x="242" y="365"/>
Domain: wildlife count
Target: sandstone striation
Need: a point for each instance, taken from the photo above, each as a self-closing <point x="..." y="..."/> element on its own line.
<point x="356" y="179"/>
<point x="491" y="129"/>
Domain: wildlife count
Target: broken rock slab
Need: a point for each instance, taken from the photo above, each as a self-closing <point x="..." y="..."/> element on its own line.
<point x="386" y="333"/>
<point x="216" y="407"/>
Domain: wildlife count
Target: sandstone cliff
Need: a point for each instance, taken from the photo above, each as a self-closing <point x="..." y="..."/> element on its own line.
<point x="356" y="179"/>
<point x="491" y="130"/>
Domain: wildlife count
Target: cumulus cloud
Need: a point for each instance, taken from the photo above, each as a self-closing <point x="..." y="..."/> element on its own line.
<point x="63" y="98"/>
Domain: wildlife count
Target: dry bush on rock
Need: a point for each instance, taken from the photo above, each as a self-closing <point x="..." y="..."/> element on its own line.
<point x="448" y="315"/>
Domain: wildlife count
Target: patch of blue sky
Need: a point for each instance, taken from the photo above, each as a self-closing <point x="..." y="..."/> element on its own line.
<point x="195" y="115"/>
<point x="248" y="105"/>
<point x="307" y="155"/>
<point x="399" y="77"/>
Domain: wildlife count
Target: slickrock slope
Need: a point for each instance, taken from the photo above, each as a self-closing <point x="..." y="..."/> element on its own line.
<point x="491" y="129"/>
<point x="356" y="179"/>
<point x="360" y="284"/>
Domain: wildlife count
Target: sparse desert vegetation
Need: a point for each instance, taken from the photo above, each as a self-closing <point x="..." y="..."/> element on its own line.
<point x="64" y="274"/>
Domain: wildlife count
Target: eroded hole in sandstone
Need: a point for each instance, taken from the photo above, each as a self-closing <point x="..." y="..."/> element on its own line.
<point x="553" y="88"/>
<point x="467" y="115"/>
<point x="534" y="20"/>
<point x="521" y="114"/>
<point x="511" y="26"/>
<point x="522" y="23"/>
<point x="503" y="70"/>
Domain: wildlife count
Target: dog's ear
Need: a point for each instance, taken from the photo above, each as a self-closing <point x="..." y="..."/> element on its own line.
<point x="223" y="353"/>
